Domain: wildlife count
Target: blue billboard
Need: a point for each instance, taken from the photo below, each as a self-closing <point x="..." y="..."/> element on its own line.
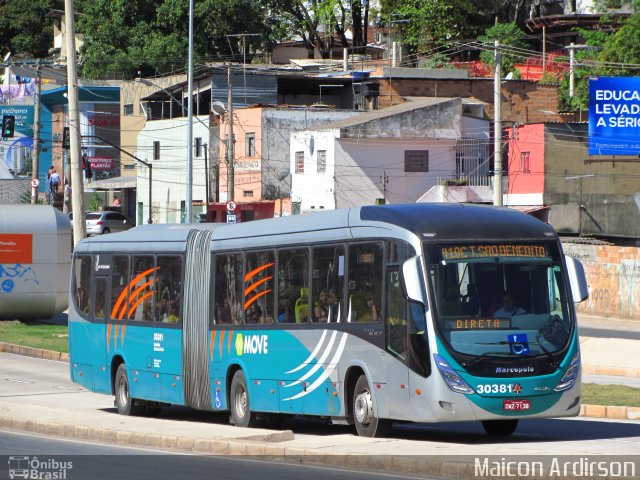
<point x="614" y="116"/>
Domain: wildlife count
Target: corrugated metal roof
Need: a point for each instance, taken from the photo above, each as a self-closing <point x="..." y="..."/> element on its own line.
<point x="414" y="103"/>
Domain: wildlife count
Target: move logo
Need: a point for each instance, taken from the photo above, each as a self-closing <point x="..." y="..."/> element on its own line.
<point x="251" y="344"/>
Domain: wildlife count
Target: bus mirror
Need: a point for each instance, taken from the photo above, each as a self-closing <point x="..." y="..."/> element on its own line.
<point x="414" y="280"/>
<point x="577" y="279"/>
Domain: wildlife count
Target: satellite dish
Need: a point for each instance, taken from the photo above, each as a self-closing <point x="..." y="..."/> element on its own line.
<point x="218" y="108"/>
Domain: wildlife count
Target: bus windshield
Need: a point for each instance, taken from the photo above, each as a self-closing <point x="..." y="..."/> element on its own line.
<point x="505" y="300"/>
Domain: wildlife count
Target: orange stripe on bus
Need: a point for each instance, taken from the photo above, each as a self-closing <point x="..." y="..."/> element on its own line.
<point x="256" y="271"/>
<point x="108" y="336"/>
<point x="124" y="328"/>
<point x="211" y="343"/>
<point x="115" y="337"/>
<point x="140" y="300"/>
<point x="134" y="294"/>
<point x="229" y="342"/>
<point x="221" y="342"/>
<point x="254" y="298"/>
<point x="253" y="286"/>
<point x="132" y="283"/>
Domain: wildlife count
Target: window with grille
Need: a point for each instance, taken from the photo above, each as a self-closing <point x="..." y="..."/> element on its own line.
<point x="322" y="161"/>
<point x="128" y="109"/>
<point x="525" y="165"/>
<point x="299" y="162"/>
<point x="416" y="160"/>
<point x="250" y="145"/>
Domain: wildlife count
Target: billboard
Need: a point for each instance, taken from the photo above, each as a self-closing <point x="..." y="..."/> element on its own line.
<point x="614" y="116"/>
<point x="15" y="152"/>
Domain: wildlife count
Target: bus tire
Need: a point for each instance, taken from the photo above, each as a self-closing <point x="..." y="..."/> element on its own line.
<point x="241" y="414"/>
<point x="500" y="428"/>
<point x="364" y="417"/>
<point x="124" y="403"/>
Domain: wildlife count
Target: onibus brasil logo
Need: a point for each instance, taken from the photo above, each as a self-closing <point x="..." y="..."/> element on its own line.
<point x="34" y="468"/>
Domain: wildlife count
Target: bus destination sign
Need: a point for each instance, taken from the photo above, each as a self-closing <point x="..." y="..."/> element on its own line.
<point x="479" y="324"/>
<point x="458" y="252"/>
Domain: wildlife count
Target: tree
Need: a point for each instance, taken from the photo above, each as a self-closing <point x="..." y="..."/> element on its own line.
<point x="25" y="29"/>
<point x="511" y="41"/>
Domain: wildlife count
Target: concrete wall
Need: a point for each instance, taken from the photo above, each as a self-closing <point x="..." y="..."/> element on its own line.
<point x="609" y="191"/>
<point x="613" y="275"/>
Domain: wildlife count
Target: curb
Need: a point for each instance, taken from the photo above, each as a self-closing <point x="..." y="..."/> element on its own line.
<point x="595" y="411"/>
<point x="613" y="371"/>
<point x="257" y="450"/>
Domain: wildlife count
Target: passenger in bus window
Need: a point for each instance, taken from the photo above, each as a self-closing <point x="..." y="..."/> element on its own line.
<point x="333" y="303"/>
<point x="285" y="310"/>
<point x="224" y="312"/>
<point x="321" y="308"/>
<point x="373" y="312"/>
<point x="254" y="314"/>
<point x="509" y="307"/>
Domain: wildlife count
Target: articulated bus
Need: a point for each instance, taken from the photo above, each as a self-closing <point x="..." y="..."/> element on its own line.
<point x="364" y="316"/>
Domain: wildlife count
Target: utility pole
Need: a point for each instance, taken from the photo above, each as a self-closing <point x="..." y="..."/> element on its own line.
<point x="189" y="202"/>
<point x="572" y="69"/>
<point x="77" y="188"/>
<point x="497" y="129"/>
<point x="35" y="156"/>
<point x="230" y="139"/>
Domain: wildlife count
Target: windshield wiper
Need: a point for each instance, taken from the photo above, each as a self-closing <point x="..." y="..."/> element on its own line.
<point x="486" y="356"/>
<point x="552" y="359"/>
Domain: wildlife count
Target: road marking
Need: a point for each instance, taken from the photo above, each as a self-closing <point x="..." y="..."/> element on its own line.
<point x="15" y="380"/>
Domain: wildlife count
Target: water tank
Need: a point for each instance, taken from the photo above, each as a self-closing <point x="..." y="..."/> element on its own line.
<point x="35" y="261"/>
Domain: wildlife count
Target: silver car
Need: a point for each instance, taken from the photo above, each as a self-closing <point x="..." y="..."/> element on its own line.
<point x="98" y="223"/>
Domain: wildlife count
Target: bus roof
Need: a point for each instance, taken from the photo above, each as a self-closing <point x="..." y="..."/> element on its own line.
<point x="436" y="221"/>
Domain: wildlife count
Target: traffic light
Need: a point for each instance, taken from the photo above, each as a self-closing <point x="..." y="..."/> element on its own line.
<point x="8" y="125"/>
<point x="66" y="141"/>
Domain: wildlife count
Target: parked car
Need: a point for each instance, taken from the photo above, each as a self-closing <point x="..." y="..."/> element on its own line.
<point x="107" y="222"/>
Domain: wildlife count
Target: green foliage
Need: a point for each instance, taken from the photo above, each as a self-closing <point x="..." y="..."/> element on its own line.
<point x="25" y="29"/>
<point x="437" y="60"/>
<point x="511" y="38"/>
<point x="33" y="334"/>
<point x="25" y="198"/>
<point x="95" y="202"/>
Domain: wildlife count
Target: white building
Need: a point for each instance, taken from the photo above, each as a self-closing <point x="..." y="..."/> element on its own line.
<point x="396" y="154"/>
<point x="163" y="144"/>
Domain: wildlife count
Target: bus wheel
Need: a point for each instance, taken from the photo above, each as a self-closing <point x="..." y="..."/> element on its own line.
<point x="125" y="404"/>
<point x="367" y="424"/>
<point x="241" y="414"/>
<point x="500" y="428"/>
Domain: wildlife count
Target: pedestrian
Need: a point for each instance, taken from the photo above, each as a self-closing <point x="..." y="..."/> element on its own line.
<point x="116" y="201"/>
<point x="86" y="165"/>
<point x="54" y="181"/>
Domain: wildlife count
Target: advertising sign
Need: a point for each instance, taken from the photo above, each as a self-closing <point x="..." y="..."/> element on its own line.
<point x="614" y="116"/>
<point x="15" y="152"/>
<point x="101" y="163"/>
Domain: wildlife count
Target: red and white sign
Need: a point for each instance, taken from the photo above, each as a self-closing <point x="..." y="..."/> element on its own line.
<point x="35" y="182"/>
<point x="101" y="163"/>
<point x="231" y="206"/>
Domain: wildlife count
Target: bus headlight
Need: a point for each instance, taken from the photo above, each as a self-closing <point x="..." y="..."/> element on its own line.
<point x="569" y="378"/>
<point x="454" y="381"/>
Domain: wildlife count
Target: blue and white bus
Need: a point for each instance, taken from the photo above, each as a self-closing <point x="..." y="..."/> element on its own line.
<point x="365" y="316"/>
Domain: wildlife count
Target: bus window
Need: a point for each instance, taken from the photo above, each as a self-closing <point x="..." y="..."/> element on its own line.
<point x="365" y="281"/>
<point x="398" y="252"/>
<point x="119" y="286"/>
<point x="259" y="287"/>
<point x="396" y="314"/>
<point x="228" y="289"/>
<point x="82" y="283"/>
<point x="141" y="296"/>
<point x="168" y="289"/>
<point x="328" y="283"/>
<point x="293" y="286"/>
<point x="100" y="299"/>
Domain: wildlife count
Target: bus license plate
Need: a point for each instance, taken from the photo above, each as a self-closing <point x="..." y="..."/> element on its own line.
<point x="515" y="405"/>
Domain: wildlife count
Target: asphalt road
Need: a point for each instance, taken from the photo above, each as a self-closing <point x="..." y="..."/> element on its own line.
<point x="85" y="460"/>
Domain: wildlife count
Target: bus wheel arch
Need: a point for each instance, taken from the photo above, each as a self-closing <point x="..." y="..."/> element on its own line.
<point x="363" y="411"/>
<point x="240" y="402"/>
<point x="125" y="404"/>
<point x="116" y="361"/>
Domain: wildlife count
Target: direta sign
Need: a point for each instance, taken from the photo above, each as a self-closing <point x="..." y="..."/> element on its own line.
<point x="614" y="116"/>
